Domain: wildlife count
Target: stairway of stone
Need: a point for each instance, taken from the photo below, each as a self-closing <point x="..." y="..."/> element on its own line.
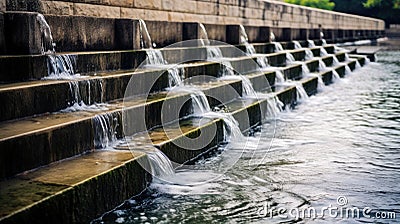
<point x="57" y="157"/>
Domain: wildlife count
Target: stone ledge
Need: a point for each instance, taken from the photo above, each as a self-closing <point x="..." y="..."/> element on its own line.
<point x="91" y="185"/>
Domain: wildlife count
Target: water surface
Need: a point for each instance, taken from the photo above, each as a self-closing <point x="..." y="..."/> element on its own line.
<point x="342" y="143"/>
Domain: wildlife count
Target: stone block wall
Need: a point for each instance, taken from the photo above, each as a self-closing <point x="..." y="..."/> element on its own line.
<point x="251" y="12"/>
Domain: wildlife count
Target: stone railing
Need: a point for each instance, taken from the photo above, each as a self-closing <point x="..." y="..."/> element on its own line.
<point x="250" y="12"/>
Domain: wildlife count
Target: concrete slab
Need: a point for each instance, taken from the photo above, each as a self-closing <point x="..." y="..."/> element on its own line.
<point x="59" y="189"/>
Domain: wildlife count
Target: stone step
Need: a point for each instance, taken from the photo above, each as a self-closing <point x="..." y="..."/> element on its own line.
<point x="45" y="129"/>
<point x="51" y="137"/>
<point x="87" y="177"/>
<point x="42" y="129"/>
<point x="94" y="183"/>
<point x="52" y="132"/>
<point x="34" y="67"/>
<point x="37" y="97"/>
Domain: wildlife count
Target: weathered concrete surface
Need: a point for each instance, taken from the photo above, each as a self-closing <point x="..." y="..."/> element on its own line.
<point x="2" y="37"/>
<point x="94" y="183"/>
<point x="3" y="5"/>
<point x="22" y="33"/>
<point x="258" y="13"/>
<point x="70" y="33"/>
<point x="23" y="5"/>
<point x="368" y="51"/>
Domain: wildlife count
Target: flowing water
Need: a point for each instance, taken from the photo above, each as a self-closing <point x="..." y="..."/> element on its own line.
<point x="340" y="148"/>
<point x="278" y="46"/>
<point x="311" y="43"/>
<point x="297" y="45"/>
<point x="105" y="130"/>
<point x="214" y="53"/>
<point x="46" y="36"/>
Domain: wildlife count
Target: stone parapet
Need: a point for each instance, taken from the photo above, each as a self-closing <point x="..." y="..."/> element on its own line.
<point x="251" y="12"/>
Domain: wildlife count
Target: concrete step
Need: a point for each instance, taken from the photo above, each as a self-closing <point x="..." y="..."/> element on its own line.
<point x="94" y="183"/>
<point x="37" y="97"/>
<point x="76" y="129"/>
<point x="33" y="67"/>
<point x="51" y="137"/>
<point x="88" y="176"/>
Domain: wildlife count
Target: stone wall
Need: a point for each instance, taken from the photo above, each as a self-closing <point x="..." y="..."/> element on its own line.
<point x="250" y="12"/>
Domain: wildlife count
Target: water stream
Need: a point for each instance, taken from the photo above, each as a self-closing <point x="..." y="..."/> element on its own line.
<point x="341" y="144"/>
<point x="311" y="43"/>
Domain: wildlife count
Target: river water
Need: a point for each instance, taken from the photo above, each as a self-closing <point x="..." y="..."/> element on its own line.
<point x="336" y="153"/>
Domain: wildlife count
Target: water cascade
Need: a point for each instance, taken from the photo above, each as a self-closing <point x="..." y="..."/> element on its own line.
<point x="201" y="108"/>
<point x="244" y="39"/>
<point x="297" y="45"/>
<point x="155" y="57"/>
<point x="289" y="58"/>
<point x="321" y="83"/>
<point x="47" y="45"/>
<point x="274" y="106"/>
<point x="335" y="60"/>
<point x="199" y="102"/>
<point x="214" y="53"/>
<point x="159" y="163"/>
<point x="304" y="69"/>
<point x="279" y="77"/>
<point x="155" y="162"/>
<point x="278" y="47"/>
<point x="358" y="65"/>
<point x="335" y="76"/>
<point x="203" y="36"/>
<point x="75" y="93"/>
<point x="323" y="52"/>
<point x="61" y="67"/>
<point x="321" y="65"/>
<point x="348" y="70"/>
<point x="346" y="57"/>
<point x="250" y="50"/>
<point x="309" y="54"/>
<point x="58" y="66"/>
<point x="301" y="92"/>
<point x="105" y="130"/>
<point x="311" y="43"/>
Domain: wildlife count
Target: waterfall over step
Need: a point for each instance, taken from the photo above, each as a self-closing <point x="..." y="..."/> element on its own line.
<point x="311" y="43"/>
<point x="309" y="54"/>
<point x="279" y="77"/>
<point x="289" y="58"/>
<point x="297" y="45"/>
<point x="47" y="45"/>
<point x="245" y="40"/>
<point x="58" y="66"/>
<point x="214" y="53"/>
<point x="278" y="47"/>
<point x="61" y="67"/>
<point x="321" y="65"/>
<point x="160" y="164"/>
<point x="335" y="76"/>
<point x="323" y="52"/>
<point x="321" y="83"/>
<point x="86" y="96"/>
<point x="105" y="129"/>
<point x="274" y="106"/>
<point x="203" y="35"/>
<point x="301" y="92"/>
<point x="156" y="59"/>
